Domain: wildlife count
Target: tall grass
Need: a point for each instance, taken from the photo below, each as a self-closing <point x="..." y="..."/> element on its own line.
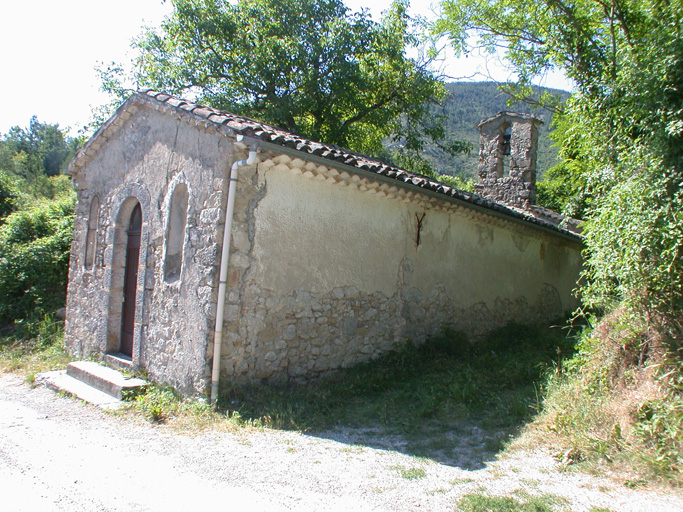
<point x="618" y="404"/>
<point x="33" y="346"/>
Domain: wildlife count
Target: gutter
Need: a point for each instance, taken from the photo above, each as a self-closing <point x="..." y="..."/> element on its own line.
<point x="223" y="276"/>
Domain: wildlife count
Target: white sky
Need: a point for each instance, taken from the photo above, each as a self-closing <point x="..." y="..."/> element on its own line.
<point x="49" y="50"/>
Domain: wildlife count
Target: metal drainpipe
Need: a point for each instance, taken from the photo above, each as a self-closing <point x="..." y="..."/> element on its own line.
<point x="222" y="281"/>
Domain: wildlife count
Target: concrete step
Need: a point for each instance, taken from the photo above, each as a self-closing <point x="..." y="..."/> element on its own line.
<point x="104" y="379"/>
<point x="61" y="382"/>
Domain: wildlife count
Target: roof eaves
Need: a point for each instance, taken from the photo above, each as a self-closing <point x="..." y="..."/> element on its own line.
<point x="291" y="142"/>
<point x="442" y="191"/>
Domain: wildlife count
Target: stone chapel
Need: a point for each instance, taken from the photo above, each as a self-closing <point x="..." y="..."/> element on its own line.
<point x="210" y="246"/>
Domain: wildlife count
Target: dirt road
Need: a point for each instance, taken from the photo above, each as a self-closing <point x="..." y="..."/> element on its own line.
<point x="59" y="454"/>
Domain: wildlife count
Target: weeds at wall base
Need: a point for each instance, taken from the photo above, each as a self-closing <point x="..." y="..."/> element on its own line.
<point x="432" y="396"/>
<point x="425" y="394"/>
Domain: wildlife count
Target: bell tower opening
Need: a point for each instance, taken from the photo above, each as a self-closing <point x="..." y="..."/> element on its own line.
<point x="507" y="159"/>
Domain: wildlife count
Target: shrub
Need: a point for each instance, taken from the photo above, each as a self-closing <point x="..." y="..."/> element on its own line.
<point x="8" y="195"/>
<point x="34" y="258"/>
<point x="619" y="401"/>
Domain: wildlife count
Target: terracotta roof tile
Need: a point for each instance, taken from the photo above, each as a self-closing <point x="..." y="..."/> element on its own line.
<point x="280" y="137"/>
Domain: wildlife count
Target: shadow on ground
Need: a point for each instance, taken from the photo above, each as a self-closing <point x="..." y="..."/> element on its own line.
<point x="466" y="445"/>
<point x="448" y="400"/>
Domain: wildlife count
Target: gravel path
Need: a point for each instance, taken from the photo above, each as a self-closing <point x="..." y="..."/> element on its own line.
<point x="59" y="454"/>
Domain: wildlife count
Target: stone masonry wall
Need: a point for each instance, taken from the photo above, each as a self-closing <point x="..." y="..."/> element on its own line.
<point x="326" y="272"/>
<point x="516" y="184"/>
<point x="144" y="161"/>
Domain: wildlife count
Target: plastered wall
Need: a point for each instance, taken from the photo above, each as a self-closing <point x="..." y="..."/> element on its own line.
<point x="330" y="272"/>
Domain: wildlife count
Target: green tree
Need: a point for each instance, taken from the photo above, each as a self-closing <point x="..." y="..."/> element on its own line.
<point x="36" y="153"/>
<point x="36" y="217"/>
<point x="565" y="187"/>
<point x="310" y="66"/>
<point x="622" y="130"/>
<point x="8" y="196"/>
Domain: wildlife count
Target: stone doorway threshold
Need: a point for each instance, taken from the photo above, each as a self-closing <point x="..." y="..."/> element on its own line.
<point x="92" y="382"/>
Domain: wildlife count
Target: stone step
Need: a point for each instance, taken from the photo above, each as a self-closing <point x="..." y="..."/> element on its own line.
<point x="104" y="379"/>
<point x="61" y="382"/>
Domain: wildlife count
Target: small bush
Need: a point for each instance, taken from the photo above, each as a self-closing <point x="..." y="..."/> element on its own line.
<point x="157" y="404"/>
<point x="659" y="425"/>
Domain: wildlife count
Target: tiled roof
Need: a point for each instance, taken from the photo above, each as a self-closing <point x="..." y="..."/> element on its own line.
<point x="278" y="136"/>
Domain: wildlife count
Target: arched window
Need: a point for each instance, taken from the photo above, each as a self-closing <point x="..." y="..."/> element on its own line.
<point x="175" y="235"/>
<point x="91" y="233"/>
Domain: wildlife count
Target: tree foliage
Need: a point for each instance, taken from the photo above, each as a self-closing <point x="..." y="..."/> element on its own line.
<point x="34" y="259"/>
<point x="621" y="132"/>
<point x="29" y="156"/>
<point x="36" y="217"/>
<point x="9" y="195"/>
<point x="565" y="186"/>
<point x="310" y="66"/>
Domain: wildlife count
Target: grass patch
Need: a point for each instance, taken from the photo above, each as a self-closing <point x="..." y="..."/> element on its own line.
<point x="424" y="393"/>
<point x="33" y="347"/>
<point x="462" y="481"/>
<point x="410" y="473"/>
<point x="483" y="503"/>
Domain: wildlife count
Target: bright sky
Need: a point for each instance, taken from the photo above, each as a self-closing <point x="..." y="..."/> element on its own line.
<point x="50" y="50"/>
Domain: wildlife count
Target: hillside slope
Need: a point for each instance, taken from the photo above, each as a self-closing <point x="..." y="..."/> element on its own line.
<point x="469" y="103"/>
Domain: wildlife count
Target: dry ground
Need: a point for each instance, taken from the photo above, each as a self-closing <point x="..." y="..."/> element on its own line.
<point x="59" y="454"/>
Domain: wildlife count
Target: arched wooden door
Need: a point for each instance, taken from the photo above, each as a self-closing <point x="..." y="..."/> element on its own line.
<point x="130" y="281"/>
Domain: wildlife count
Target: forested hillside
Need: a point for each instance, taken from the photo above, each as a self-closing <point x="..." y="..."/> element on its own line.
<point x="470" y="102"/>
